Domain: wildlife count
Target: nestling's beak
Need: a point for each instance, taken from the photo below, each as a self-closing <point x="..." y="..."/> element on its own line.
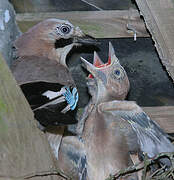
<point x="96" y="72"/>
<point x="88" y="66"/>
<point x="98" y="68"/>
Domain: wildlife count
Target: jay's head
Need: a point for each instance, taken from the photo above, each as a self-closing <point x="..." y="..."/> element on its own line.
<point x="107" y="81"/>
<point x="52" y="38"/>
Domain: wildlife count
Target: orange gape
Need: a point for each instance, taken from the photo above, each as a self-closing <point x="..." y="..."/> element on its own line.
<point x="98" y="63"/>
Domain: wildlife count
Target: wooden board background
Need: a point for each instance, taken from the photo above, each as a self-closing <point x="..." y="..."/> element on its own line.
<point x="159" y="19"/>
<point x="163" y="115"/>
<point x="100" y="24"/>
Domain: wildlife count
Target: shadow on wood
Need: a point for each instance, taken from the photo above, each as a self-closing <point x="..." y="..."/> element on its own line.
<point x="24" y="149"/>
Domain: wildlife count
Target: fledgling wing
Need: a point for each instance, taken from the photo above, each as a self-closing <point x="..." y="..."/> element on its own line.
<point x="72" y="158"/>
<point x="150" y="137"/>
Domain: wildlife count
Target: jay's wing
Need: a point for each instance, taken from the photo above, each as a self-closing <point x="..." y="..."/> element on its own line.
<point x="59" y="111"/>
<point x="40" y="76"/>
<point x="37" y="75"/>
<point x="33" y="69"/>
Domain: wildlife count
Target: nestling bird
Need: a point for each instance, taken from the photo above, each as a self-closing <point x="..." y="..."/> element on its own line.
<point x="41" y="71"/>
<point x="102" y="146"/>
<point x="115" y="127"/>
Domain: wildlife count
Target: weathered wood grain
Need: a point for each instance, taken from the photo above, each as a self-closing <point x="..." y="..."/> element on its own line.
<point x="22" y="6"/>
<point x="8" y="30"/>
<point x="163" y="115"/>
<point x="100" y="24"/>
<point x="159" y="19"/>
<point x="23" y="147"/>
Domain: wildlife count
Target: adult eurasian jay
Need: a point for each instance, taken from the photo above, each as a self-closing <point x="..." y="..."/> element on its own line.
<point x="41" y="71"/>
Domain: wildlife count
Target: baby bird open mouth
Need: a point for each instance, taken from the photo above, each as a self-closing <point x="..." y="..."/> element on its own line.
<point x="98" y="64"/>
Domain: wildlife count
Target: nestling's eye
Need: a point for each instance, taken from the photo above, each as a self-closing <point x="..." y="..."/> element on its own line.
<point x="65" y="29"/>
<point x="117" y="72"/>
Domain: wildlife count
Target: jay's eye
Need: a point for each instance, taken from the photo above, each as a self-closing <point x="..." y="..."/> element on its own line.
<point x="65" y="29"/>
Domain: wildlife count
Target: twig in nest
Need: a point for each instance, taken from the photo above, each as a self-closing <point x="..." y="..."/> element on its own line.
<point x="146" y="164"/>
<point x="47" y="173"/>
<point x="157" y="171"/>
<point x="39" y="174"/>
<point x="128" y="170"/>
<point x="158" y="175"/>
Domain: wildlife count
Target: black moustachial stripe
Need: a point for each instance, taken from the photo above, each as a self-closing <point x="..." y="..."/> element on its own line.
<point x="63" y="42"/>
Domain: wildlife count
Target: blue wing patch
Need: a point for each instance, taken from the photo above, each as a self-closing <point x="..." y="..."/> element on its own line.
<point x="71" y="97"/>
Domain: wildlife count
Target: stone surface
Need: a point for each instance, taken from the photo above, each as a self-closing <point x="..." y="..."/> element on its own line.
<point x="8" y="30"/>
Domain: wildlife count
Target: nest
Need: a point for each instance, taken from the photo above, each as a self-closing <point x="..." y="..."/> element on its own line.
<point x="160" y="173"/>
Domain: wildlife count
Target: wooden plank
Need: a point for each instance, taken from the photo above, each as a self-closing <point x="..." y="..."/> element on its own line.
<point x="8" y="30"/>
<point x="22" y="6"/>
<point x="100" y="24"/>
<point x="159" y="19"/>
<point x="24" y="148"/>
<point x="163" y="115"/>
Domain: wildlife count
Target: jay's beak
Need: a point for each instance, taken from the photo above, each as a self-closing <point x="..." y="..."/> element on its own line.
<point x="84" y="39"/>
